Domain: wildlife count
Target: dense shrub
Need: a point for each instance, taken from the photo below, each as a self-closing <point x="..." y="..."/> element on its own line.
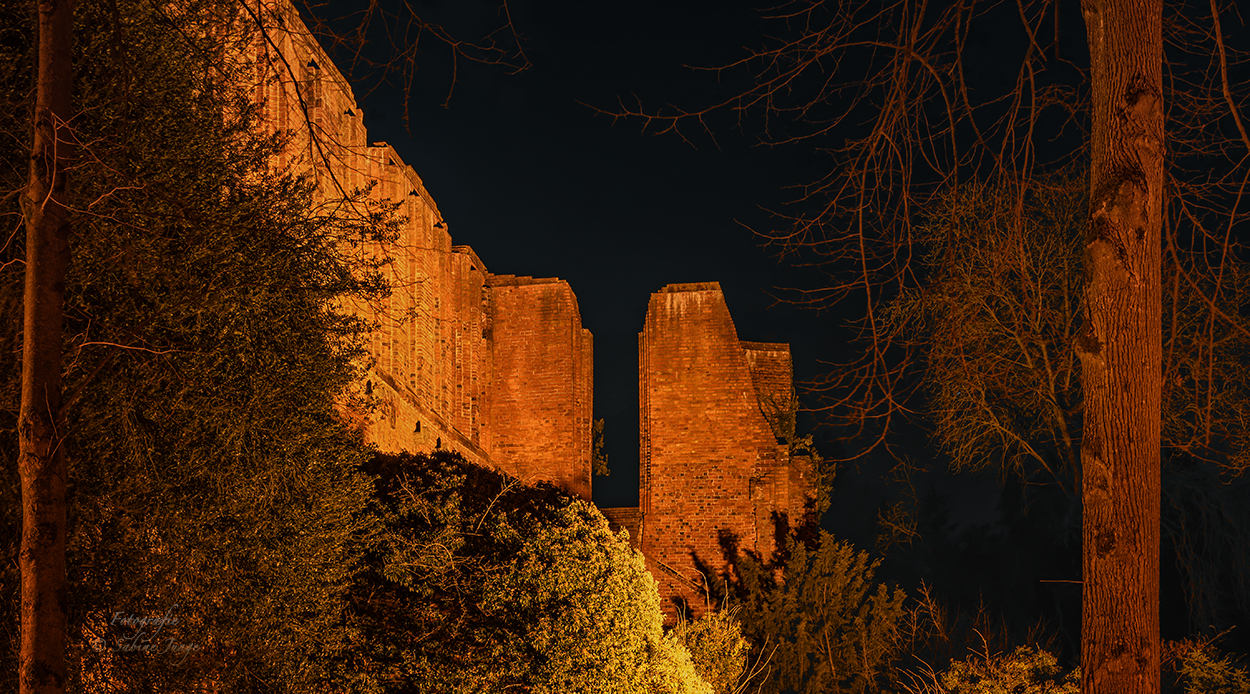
<point x="717" y="648"/>
<point x="480" y="583"/>
<point x="1188" y="667"/>
<point x="209" y="479"/>
<point x="1027" y="670"/>
<point x="1194" y="667"/>
<point x="827" y="623"/>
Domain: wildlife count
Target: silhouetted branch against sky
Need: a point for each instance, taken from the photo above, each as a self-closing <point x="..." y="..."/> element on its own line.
<point x="872" y="112"/>
<point x="905" y="102"/>
<point x="385" y="42"/>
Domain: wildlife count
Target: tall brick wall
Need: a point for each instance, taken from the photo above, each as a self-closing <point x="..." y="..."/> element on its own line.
<point x="302" y="92"/>
<point x="433" y="381"/>
<point x="712" y="470"/>
<point x="541" y="411"/>
<point x="470" y="351"/>
<point x="788" y="483"/>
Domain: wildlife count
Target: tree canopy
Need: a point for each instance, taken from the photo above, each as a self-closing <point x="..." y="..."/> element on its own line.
<point x="210" y="480"/>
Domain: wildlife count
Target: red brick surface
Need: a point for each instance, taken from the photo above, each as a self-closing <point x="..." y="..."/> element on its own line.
<point x="434" y="381"/>
<point x="712" y="471"/>
<point x="542" y="387"/>
<point x="772" y="372"/>
<point x="627" y="518"/>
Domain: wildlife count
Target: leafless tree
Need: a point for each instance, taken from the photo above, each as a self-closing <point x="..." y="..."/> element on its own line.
<point x="916" y="101"/>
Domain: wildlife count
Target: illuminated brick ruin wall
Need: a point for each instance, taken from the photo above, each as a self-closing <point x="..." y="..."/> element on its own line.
<point x="543" y="420"/>
<point x="497" y="368"/>
<point x="500" y="369"/>
<point x="714" y="475"/>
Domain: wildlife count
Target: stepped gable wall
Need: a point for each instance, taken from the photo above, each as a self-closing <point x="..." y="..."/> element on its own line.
<point x="705" y="443"/>
<point x="543" y="382"/>
<point x="772" y="372"/>
<point x="788" y="484"/>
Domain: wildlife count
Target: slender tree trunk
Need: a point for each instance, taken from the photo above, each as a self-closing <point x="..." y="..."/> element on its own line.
<point x="1121" y="350"/>
<point x="40" y="430"/>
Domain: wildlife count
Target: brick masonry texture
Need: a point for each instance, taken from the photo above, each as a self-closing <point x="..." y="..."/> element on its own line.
<point x="500" y="369"/>
<point x="543" y="385"/>
<point x="497" y="368"/>
<point x="714" y="476"/>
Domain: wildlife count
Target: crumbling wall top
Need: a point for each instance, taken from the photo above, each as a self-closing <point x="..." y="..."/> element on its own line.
<point x="383" y="152"/>
<point x="766" y="346"/>
<point x="691" y="287"/>
<point x="520" y="280"/>
<point x="474" y="260"/>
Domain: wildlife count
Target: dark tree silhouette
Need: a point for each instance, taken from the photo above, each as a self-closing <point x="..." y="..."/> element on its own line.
<point x="47" y="216"/>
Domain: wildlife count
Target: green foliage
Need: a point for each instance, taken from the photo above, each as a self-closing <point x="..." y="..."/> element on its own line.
<point x="481" y="583"/>
<point x="673" y="671"/>
<point x="1025" y="671"/>
<point x="782" y="417"/>
<point x="1198" y="668"/>
<point x="1189" y="667"/>
<point x="832" y="627"/>
<point x="581" y="598"/>
<point x="823" y="472"/>
<point x="210" y="479"/>
<point x="598" y="456"/>
<point x="1207" y="675"/>
<point x="716" y="647"/>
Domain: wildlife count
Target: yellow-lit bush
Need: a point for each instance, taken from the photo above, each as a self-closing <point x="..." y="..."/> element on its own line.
<point x="1026" y="671"/>
<point x="717" y="648"/>
<point x="1198" y="668"/>
<point x="482" y="584"/>
<point x="672" y="671"/>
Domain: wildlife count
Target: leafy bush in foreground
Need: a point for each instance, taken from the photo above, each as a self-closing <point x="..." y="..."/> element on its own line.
<point x="1188" y="666"/>
<point x="831" y="626"/>
<point x="717" y="648"/>
<point x="1025" y="671"/>
<point x="1198" y="668"/>
<point x="480" y="583"/>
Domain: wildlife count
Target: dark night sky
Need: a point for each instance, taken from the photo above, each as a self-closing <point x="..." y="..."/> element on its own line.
<point x="540" y="184"/>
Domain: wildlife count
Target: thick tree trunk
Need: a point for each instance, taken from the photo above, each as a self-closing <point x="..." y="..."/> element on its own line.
<point x="40" y="430"/>
<point x="1120" y="350"/>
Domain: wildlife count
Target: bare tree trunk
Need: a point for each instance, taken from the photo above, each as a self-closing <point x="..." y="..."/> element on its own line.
<point x="1121" y="350"/>
<point x="40" y="430"/>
